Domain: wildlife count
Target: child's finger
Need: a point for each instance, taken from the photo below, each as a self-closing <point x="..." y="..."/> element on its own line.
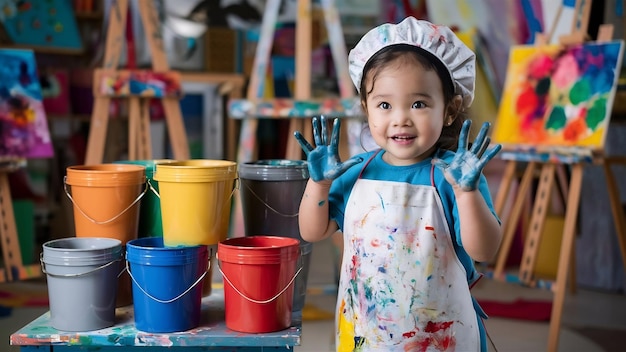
<point x="463" y="135"/>
<point x="324" y="125"/>
<point x="480" y="139"/>
<point x="351" y="162"/>
<point x="303" y="143"/>
<point x="483" y="147"/>
<point x="491" y="153"/>
<point x="316" y="132"/>
<point x="335" y="136"/>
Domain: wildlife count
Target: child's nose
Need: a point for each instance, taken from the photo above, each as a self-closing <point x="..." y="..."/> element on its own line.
<point x="401" y="118"/>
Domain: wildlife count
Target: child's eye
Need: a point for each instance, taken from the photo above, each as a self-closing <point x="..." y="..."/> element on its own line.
<point x="384" y="106"/>
<point x="418" y="105"/>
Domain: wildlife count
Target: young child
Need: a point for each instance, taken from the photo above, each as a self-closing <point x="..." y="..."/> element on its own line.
<point x="415" y="214"/>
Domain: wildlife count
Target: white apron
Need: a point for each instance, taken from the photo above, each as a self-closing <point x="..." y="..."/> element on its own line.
<point x="402" y="286"/>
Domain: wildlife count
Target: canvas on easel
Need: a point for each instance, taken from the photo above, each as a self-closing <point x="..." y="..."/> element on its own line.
<point x="23" y="126"/>
<point x="24" y="135"/>
<point x="557" y="98"/>
<point x="46" y="25"/>
<point x="555" y="111"/>
<point x="554" y="116"/>
<point x="137" y="87"/>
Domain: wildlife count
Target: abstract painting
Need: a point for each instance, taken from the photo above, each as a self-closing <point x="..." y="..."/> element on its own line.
<point x="142" y="83"/>
<point x="41" y="24"/>
<point x="23" y="127"/>
<point x="558" y="98"/>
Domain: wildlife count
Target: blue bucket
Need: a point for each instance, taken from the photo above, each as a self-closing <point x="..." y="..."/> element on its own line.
<point x="167" y="289"/>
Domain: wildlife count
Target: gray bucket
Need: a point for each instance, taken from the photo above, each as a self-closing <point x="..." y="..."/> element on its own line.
<point x="299" y="290"/>
<point x="82" y="275"/>
<point x="270" y="192"/>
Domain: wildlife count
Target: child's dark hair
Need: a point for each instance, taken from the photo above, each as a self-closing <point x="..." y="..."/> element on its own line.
<point x="449" y="134"/>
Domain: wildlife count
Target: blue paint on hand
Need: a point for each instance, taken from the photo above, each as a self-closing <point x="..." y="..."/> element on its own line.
<point x="467" y="165"/>
<point x="323" y="160"/>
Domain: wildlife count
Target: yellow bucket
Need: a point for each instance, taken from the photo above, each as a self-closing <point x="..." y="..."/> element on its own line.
<point x="195" y="197"/>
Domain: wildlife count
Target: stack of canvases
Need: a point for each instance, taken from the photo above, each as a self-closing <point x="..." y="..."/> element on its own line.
<point x="166" y="217"/>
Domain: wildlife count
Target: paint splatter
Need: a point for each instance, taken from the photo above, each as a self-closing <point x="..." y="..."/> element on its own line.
<point x="345" y="330"/>
<point x="409" y="334"/>
<point x="432" y="327"/>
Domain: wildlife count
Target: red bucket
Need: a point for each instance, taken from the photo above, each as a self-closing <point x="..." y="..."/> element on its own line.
<point x="259" y="274"/>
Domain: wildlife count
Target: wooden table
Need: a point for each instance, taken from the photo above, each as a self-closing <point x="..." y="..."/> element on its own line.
<point x="211" y="335"/>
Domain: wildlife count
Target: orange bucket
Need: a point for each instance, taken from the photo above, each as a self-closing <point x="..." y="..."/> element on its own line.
<point x="106" y="199"/>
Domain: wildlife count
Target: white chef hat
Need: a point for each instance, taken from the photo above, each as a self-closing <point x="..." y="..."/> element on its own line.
<point x="439" y="41"/>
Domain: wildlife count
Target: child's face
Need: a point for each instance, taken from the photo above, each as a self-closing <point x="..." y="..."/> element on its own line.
<point x="406" y="111"/>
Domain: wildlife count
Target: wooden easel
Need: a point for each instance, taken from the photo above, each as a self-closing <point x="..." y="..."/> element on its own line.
<point x="11" y="254"/>
<point x="547" y="173"/>
<point x="302" y="106"/>
<point x="139" y="119"/>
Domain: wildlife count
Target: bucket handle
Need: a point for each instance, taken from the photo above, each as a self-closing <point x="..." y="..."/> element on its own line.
<point x="43" y="269"/>
<point x="105" y="221"/>
<point x="219" y="266"/>
<point x="175" y="298"/>
<point x="156" y="193"/>
<point x="267" y="205"/>
<point x="235" y="187"/>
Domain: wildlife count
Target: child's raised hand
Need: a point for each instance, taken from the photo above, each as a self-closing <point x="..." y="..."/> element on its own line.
<point x="465" y="168"/>
<point x="323" y="160"/>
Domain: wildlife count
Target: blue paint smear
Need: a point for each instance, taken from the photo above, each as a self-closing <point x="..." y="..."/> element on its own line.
<point x="601" y="77"/>
<point x="368" y="292"/>
<point x="569" y="3"/>
<point x="382" y="203"/>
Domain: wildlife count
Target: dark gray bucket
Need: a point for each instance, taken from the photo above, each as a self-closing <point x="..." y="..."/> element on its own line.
<point x="271" y="191"/>
<point x="299" y="290"/>
<point x="82" y="276"/>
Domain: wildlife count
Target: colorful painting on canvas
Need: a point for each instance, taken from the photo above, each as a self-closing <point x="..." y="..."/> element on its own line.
<point x="41" y="24"/>
<point x="23" y="126"/>
<point x="558" y="97"/>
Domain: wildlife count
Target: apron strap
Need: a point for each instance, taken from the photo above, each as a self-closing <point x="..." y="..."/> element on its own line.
<point x="368" y="162"/>
<point x="432" y="176"/>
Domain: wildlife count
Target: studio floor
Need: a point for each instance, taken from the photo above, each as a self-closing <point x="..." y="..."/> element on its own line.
<point x="592" y="321"/>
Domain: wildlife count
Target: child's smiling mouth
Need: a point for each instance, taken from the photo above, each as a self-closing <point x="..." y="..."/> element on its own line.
<point x="403" y="138"/>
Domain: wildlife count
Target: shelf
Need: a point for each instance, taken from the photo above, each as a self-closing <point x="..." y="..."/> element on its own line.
<point x="89" y="16"/>
<point x="43" y="49"/>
